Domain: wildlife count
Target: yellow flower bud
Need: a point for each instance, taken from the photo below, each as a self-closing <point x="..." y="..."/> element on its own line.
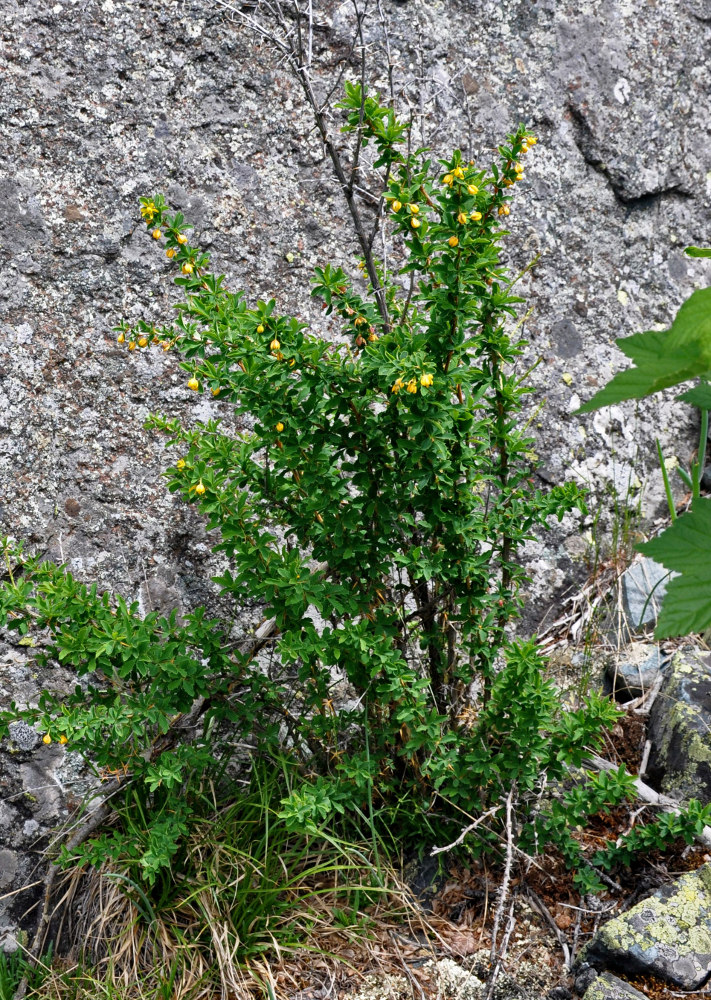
<point x="426" y="380"/>
<point x="170" y="253"/>
<point x="292" y="362"/>
<point x="504" y="210"/>
<point x="200" y="488"/>
<point x="193" y="384"/>
<point x="143" y="341"/>
<point x="120" y="339"/>
<point x="275" y="345"/>
<point x="458" y="172"/>
<point x="182" y="239"/>
<point x="396" y="205"/>
<point x="187" y="267"/>
<point x="47" y="739"/>
<point x="280" y="427"/>
<point x="217" y="391"/>
<point x="412" y="385"/>
<point x="472" y="189"/>
<point x="453" y="241"/>
<point x="372" y="337"/>
<point x="415" y="223"/>
<point x="63" y="739"/>
<point x="414" y="208"/>
<point x="462" y="218"/>
<point x="156" y="234"/>
<point x="475" y="216"/>
<point x="180" y="464"/>
<point x="260" y="328"/>
<point x="448" y="179"/>
<point x="398" y="384"/>
<point x="132" y="345"/>
<point x="518" y="167"/>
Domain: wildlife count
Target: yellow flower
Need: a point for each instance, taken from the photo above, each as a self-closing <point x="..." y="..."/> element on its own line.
<point x="170" y="253"/>
<point x="148" y="211"/>
<point x="504" y="210"/>
<point x="132" y="345"/>
<point x="182" y="239"/>
<point x="217" y="391"/>
<point x="475" y="216"/>
<point x="398" y="384"/>
<point x="292" y="362"/>
<point x="47" y="739"/>
<point x="156" y="234"/>
<point x="120" y="339"/>
<point x="415" y="223"/>
<point x="518" y="167"/>
<point x="180" y="464"/>
<point x="453" y="241"/>
<point x="200" y="488"/>
<point x="63" y="740"/>
<point x="426" y="379"/>
<point x="508" y="183"/>
<point x="472" y="189"/>
<point x="414" y="209"/>
<point x="412" y="385"/>
<point x="396" y="205"/>
<point x="531" y="140"/>
<point x="448" y="179"/>
<point x="458" y="172"/>
<point x="187" y="267"/>
<point x="193" y="384"/>
<point x="260" y="328"/>
<point x="275" y="345"/>
<point x="372" y="337"/>
<point x="143" y="341"/>
<point x="525" y="148"/>
<point x="280" y="427"/>
<point x="462" y="218"/>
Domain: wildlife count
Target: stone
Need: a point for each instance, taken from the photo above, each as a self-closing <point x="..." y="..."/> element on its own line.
<point x="634" y="670"/>
<point x="644" y="585"/>
<point x="679" y="728"/>
<point x="609" y="987"/>
<point x="667" y="935"/>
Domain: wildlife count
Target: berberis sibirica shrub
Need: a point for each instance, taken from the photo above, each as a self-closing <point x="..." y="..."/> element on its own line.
<point x="375" y="508"/>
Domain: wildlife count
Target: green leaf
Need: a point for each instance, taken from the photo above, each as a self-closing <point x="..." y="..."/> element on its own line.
<point x="698" y="251"/>
<point x="699" y="396"/>
<point x="663" y="357"/>
<point x="684" y="548"/>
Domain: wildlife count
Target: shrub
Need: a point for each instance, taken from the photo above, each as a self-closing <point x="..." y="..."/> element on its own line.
<point x="375" y="508"/>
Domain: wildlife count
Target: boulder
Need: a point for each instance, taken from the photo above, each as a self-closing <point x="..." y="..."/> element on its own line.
<point x="609" y="987"/>
<point x="680" y="728"/>
<point x="667" y="935"/>
<point x="635" y="670"/>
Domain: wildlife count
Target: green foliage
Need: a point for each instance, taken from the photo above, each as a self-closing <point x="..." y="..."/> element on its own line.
<point x="664" y="359"/>
<point x="683" y="548"/>
<point x="375" y="509"/>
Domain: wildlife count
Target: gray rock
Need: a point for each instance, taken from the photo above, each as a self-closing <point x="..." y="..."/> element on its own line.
<point x="609" y="987"/>
<point x="644" y="585"/>
<point x="634" y="670"/>
<point x="23" y="736"/>
<point x="667" y="935"/>
<point x="680" y="728"/>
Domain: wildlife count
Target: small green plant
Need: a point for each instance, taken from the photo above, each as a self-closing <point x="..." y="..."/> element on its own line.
<point x="662" y="359"/>
<point x="375" y="509"/>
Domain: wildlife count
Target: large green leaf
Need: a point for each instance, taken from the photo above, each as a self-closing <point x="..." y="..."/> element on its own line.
<point x="698" y="251"/>
<point x="663" y="357"/>
<point x="685" y="548"/>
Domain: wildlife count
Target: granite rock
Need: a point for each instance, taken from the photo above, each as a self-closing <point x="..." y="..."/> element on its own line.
<point x="609" y="987"/>
<point x="680" y="728"/>
<point x="667" y="935"/>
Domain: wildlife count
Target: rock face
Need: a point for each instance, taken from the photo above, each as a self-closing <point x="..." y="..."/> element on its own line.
<point x="680" y="729"/>
<point x="103" y="101"/>
<point x="667" y="935"/>
<point x="39" y="787"/>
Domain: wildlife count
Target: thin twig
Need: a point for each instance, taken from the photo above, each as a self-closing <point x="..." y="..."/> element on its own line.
<point x="465" y="832"/>
<point x="504" y="891"/>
